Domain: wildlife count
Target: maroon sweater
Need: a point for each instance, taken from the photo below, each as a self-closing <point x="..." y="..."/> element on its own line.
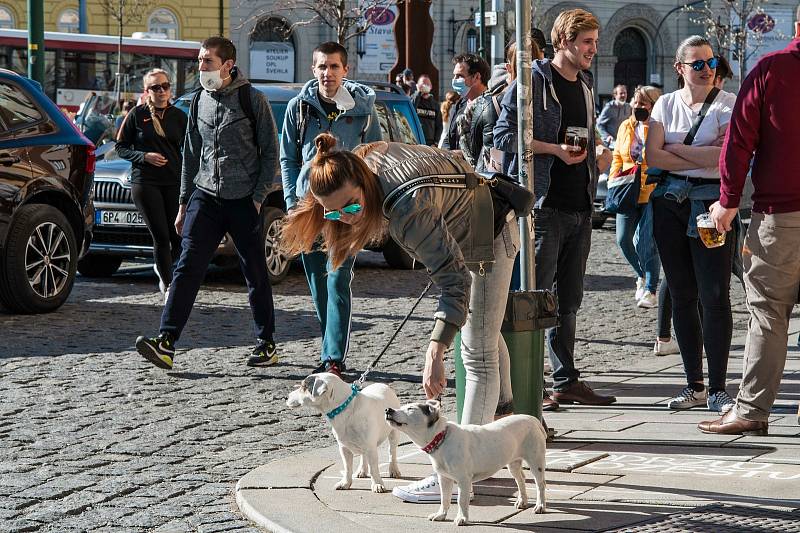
<point x="766" y="121"/>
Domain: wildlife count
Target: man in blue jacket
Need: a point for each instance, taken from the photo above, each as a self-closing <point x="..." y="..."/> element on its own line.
<point x="229" y="162"/>
<point x="328" y="103"/>
<point x="565" y="183"/>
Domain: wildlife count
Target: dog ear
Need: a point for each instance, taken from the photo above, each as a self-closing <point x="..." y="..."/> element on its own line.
<point x="432" y="407"/>
<point x="318" y="388"/>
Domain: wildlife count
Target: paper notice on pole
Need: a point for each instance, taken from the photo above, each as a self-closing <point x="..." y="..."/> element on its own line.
<point x="272" y="61"/>
<point x="378" y="53"/>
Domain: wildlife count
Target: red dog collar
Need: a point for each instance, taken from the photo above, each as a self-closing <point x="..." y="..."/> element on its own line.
<point x="436" y="442"/>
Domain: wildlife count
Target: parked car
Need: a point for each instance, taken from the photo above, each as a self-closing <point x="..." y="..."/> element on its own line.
<point x="46" y="212"/>
<point x="120" y="231"/>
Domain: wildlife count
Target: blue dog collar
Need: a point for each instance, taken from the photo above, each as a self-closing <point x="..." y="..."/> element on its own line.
<point x="332" y="414"/>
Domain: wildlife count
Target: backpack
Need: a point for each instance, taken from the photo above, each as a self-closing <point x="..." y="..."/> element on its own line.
<point x="245" y="102"/>
<point x="493" y="157"/>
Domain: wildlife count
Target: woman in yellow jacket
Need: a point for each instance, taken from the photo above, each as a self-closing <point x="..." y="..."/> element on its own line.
<point x="629" y="151"/>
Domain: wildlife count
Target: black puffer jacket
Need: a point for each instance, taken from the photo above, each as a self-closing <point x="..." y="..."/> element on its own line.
<point x="475" y="127"/>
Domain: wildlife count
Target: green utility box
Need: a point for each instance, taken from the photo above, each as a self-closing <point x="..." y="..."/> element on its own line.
<point x="528" y="314"/>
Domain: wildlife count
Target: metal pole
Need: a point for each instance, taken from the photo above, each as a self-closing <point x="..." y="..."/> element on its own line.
<point x="36" y="40"/>
<point x="525" y="137"/>
<point x="83" y="17"/>
<point x="482" y="31"/>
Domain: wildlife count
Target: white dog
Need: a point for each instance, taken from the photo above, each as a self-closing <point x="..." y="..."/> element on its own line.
<point x="469" y="453"/>
<point x="357" y="418"/>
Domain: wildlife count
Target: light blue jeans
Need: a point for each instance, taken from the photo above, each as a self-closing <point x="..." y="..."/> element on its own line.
<point x="483" y="350"/>
<point x="638" y="246"/>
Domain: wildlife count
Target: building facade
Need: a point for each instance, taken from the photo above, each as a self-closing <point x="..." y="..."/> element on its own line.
<point x="637" y="38"/>
<point x="189" y="20"/>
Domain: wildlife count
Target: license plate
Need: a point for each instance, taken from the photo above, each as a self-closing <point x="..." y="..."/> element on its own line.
<point x="118" y="218"/>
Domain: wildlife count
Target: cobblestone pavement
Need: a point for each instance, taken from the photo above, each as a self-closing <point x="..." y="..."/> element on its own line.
<point x="93" y="438"/>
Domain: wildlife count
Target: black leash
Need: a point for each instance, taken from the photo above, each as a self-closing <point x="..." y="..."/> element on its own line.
<point x="374" y="362"/>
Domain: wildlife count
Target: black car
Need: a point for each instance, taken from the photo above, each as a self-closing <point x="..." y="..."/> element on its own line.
<point x="120" y="231"/>
<point x="46" y="211"/>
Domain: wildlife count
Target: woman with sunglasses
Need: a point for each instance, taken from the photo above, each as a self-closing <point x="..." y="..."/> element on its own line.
<point x="151" y="139"/>
<point x="449" y="225"/>
<point x="689" y="184"/>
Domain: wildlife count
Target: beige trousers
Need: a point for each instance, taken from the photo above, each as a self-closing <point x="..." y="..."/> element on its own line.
<point x="771" y="257"/>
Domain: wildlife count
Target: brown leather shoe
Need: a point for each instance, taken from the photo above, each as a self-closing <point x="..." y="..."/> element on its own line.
<point x="730" y="424"/>
<point x="548" y="404"/>
<point x="580" y="392"/>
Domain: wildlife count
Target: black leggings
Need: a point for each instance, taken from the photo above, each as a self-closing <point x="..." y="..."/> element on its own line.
<point x="695" y="272"/>
<point x="159" y="207"/>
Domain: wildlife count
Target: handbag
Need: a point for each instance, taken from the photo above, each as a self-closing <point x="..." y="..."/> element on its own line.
<point x="623" y="191"/>
<point x="508" y="195"/>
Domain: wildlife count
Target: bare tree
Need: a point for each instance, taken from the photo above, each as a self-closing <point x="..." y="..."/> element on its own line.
<point x="123" y="12"/>
<point x="346" y="17"/>
<point x="735" y="26"/>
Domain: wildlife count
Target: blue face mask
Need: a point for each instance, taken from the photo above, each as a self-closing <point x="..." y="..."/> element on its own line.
<point x="460" y="86"/>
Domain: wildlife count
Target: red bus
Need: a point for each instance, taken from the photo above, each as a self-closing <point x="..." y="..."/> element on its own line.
<point x="76" y="64"/>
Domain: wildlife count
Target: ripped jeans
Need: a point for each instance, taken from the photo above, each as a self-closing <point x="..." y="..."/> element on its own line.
<point x="483" y="350"/>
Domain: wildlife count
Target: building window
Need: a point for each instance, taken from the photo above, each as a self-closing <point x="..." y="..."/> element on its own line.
<point x="68" y="21"/>
<point x="272" y="55"/>
<point x="6" y="18"/>
<point x="165" y="22"/>
<point x="472" y="41"/>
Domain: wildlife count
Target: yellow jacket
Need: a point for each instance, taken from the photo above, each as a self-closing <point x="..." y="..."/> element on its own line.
<point x="622" y="157"/>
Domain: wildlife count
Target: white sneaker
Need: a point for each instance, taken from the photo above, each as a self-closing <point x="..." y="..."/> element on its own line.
<point x="688" y="398"/>
<point x="666" y="348"/>
<point x="425" y="490"/>
<point x="640" y="290"/>
<point x="648" y="301"/>
<point x="166" y="294"/>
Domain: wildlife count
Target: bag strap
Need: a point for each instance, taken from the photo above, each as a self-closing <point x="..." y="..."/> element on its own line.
<point x="447" y="181"/>
<point x="703" y="112"/>
<point x="496" y="104"/>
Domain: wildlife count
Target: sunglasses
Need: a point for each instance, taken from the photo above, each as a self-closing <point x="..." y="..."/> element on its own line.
<point x="157" y="88"/>
<point x="336" y="214"/>
<point x="700" y="64"/>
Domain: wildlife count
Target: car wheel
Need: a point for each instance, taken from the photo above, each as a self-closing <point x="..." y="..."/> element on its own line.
<point x="398" y="258"/>
<point x="39" y="260"/>
<point x="277" y="263"/>
<point x="99" y="266"/>
<point x="598" y="221"/>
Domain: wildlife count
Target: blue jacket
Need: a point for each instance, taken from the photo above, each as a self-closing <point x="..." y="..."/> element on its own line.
<point x="546" y="125"/>
<point x="351" y="128"/>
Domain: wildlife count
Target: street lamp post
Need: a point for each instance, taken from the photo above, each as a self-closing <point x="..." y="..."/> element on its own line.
<point x="482" y="30"/>
<point x="36" y="40"/>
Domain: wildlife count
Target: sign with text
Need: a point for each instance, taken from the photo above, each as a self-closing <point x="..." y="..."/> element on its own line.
<point x="776" y="26"/>
<point x="272" y="61"/>
<point x="379" y="51"/>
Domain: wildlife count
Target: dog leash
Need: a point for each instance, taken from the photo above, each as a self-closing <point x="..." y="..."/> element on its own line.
<point x="374" y="362"/>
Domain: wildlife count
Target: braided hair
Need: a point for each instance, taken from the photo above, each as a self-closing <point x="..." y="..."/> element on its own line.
<point x="149" y="102"/>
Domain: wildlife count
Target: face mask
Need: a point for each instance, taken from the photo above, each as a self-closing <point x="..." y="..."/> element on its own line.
<point x="211" y="80"/>
<point x="424" y="88"/>
<point x="460" y="86"/>
<point x="641" y="114"/>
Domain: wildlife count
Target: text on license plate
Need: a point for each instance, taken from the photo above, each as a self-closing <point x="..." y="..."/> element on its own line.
<point x="118" y="218"/>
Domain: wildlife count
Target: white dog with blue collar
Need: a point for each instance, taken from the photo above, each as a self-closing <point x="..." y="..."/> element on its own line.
<point x="358" y="422"/>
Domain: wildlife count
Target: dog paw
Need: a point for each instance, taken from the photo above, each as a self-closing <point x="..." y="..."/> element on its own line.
<point x="539" y="509"/>
<point x="461" y="521"/>
<point x="377" y="487"/>
<point x="521" y="504"/>
<point x="342" y="485"/>
<point x="362" y="473"/>
<point x="394" y="472"/>
<point x="437" y="517"/>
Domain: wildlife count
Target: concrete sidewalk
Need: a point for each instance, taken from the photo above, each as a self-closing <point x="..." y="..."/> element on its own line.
<point x="633" y="466"/>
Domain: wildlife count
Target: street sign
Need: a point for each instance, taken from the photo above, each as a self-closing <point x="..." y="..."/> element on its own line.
<point x="489" y="16"/>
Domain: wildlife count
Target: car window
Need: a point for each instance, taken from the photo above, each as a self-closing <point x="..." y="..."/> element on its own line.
<point x="16" y="109"/>
<point x="403" y="121"/>
<point x="383" y="119"/>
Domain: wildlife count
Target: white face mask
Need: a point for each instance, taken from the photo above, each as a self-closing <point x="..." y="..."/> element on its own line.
<point x="211" y="80"/>
<point x="344" y="100"/>
<point x="424" y="88"/>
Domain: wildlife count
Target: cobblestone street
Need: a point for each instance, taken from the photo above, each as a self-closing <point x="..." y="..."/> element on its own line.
<point x="93" y="438"/>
